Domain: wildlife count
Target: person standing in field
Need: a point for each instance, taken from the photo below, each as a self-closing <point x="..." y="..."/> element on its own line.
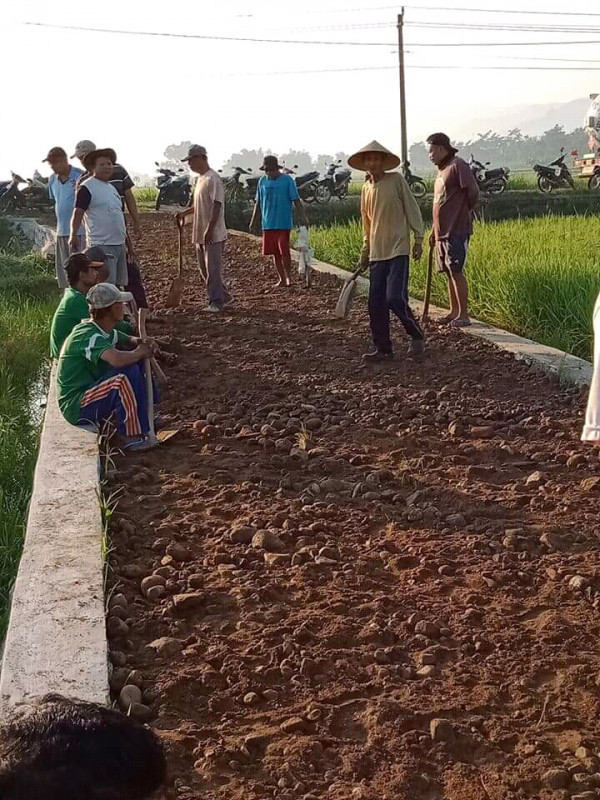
<point x="389" y="213"/>
<point x="455" y="197"/>
<point x="276" y="197"/>
<point x="123" y="183"/>
<point x="120" y="179"/>
<point x="98" y="205"/>
<point x="61" y="188"/>
<point x="209" y="233"/>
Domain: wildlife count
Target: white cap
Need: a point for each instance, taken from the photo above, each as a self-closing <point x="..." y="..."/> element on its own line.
<point x="104" y="295"/>
<point x="82" y="148"/>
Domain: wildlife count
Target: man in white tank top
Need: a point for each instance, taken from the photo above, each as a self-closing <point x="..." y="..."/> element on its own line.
<point x="98" y="204"/>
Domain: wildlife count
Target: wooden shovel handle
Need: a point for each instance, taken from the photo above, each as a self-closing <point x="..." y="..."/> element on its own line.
<point x="425" y="315"/>
<point x="180" y="226"/>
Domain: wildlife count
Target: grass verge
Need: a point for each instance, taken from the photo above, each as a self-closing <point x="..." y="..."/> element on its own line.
<point x="535" y="277"/>
<point x="28" y="297"/>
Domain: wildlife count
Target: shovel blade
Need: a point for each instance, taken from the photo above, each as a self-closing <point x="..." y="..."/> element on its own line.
<point x="345" y="300"/>
<point x="175" y="292"/>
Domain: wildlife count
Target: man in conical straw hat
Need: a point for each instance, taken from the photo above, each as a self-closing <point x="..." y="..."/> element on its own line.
<point x="389" y="214"/>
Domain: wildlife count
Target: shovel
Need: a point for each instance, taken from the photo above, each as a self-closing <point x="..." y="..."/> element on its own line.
<point x="425" y="314"/>
<point x="175" y="292"/>
<point x="153" y="437"/>
<point x="347" y="294"/>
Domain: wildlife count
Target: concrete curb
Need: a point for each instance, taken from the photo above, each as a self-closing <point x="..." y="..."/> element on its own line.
<point x="565" y="367"/>
<point x="56" y="641"/>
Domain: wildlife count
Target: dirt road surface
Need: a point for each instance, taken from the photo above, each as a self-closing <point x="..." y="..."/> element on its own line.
<point x="373" y="584"/>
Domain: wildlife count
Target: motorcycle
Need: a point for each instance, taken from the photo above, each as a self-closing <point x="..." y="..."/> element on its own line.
<point x="490" y="181"/>
<point x="35" y="195"/>
<point x="554" y="176"/>
<point x="235" y="190"/>
<point x="417" y="185"/>
<point x="10" y="195"/>
<point x="594" y="181"/>
<point x="306" y="184"/>
<point x="172" y="187"/>
<point x="335" y="183"/>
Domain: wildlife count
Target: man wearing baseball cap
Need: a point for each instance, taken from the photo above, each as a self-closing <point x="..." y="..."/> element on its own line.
<point x="96" y="382"/>
<point x="61" y="189"/>
<point x="455" y="196"/>
<point x="84" y="270"/>
<point x="208" y="227"/>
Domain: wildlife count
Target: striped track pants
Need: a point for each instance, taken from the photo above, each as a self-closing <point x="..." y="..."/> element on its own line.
<point x="120" y="396"/>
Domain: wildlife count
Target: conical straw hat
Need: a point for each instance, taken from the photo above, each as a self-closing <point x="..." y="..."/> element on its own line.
<point x="357" y="161"/>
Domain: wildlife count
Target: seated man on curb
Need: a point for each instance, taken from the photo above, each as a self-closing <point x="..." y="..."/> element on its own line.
<point x="98" y="383"/>
<point x="63" y="749"/>
<point x="83" y="270"/>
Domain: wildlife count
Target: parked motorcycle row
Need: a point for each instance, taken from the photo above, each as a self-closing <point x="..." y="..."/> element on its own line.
<point x="312" y="188"/>
<point x="32" y="197"/>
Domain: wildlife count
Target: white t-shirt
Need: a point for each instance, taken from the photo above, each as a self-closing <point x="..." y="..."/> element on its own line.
<point x="208" y="188"/>
<point x="103" y="219"/>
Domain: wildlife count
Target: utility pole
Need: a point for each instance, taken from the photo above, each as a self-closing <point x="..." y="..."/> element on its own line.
<point x="404" y="142"/>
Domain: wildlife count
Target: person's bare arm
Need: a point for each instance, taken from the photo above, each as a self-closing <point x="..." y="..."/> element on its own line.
<point x="366" y="226"/>
<point x="133" y="211"/>
<point x="256" y="217"/>
<point x="301" y="211"/>
<point x="208" y="237"/>
<point x="76" y="220"/>
<point x="123" y="358"/>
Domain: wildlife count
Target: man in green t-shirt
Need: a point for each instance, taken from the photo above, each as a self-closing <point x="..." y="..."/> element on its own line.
<point x="96" y="382"/>
<point x="84" y="270"/>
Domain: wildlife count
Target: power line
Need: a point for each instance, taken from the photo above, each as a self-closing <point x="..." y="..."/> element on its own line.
<point x="500" y="11"/>
<point x="211" y="37"/>
<point x="408" y="66"/>
<point x="202" y="36"/>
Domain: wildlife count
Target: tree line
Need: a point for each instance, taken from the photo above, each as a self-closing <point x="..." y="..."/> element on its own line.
<point x="514" y="149"/>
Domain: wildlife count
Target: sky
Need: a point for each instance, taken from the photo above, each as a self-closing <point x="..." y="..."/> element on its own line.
<point x="139" y="93"/>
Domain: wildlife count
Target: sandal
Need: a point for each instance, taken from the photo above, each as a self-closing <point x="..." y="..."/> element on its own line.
<point x="460" y="323"/>
<point x="446" y="320"/>
<point x="139" y="444"/>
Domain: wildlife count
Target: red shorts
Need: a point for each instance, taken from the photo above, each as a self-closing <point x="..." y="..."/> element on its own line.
<point x="276" y="243"/>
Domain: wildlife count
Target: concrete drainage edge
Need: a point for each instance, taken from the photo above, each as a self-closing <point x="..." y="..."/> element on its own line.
<point x="56" y="640"/>
<point x="568" y="369"/>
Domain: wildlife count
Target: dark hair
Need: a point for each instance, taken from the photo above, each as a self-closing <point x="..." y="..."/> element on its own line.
<point x="70" y="750"/>
<point x="76" y="264"/>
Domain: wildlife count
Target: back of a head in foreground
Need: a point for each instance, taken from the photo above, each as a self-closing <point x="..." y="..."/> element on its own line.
<point x="70" y="750"/>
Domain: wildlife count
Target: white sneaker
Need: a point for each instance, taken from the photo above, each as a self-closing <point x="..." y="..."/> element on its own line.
<point x="213" y="308"/>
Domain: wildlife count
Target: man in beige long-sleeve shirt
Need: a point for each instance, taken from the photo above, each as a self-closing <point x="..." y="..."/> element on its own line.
<point x="389" y="213"/>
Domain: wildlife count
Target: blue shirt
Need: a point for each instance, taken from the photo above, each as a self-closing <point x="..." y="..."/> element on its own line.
<point x="276" y="197"/>
<point x="63" y="195"/>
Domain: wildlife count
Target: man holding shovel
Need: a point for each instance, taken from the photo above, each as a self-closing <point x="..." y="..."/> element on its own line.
<point x="276" y="197"/>
<point x="389" y="213"/>
<point x="209" y="233"/>
<point x="455" y="197"/>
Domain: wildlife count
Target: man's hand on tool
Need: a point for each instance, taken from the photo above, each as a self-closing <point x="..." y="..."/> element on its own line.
<point x="417" y="250"/>
<point x="144" y="350"/>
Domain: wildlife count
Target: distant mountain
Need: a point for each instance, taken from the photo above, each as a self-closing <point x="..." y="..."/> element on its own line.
<point x="533" y="120"/>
